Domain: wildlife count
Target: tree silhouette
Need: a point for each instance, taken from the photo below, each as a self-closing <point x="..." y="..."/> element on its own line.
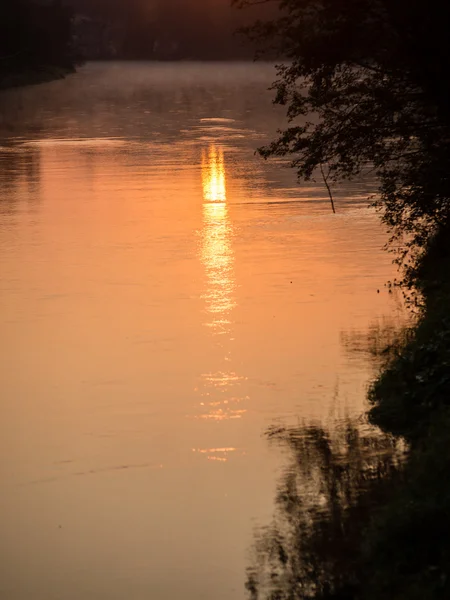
<point x="365" y="84"/>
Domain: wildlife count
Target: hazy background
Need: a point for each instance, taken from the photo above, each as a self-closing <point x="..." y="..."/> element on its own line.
<point x="162" y="29"/>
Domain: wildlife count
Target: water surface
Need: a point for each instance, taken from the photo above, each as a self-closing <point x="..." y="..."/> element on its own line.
<point x="165" y="297"/>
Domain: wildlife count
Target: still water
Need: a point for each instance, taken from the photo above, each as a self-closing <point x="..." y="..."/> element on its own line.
<point x="166" y="296"/>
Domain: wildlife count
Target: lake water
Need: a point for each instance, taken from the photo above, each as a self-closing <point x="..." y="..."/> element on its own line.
<point x="165" y="296"/>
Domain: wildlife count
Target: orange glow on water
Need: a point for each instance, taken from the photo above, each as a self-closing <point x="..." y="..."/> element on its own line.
<point x="155" y="299"/>
<point x="216" y="254"/>
<point x="213" y="175"/>
<point x="216" y="250"/>
<point x="217" y="454"/>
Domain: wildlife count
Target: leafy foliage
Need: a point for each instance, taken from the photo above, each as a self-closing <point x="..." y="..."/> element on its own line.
<point x="365" y="84"/>
<point x="413" y="390"/>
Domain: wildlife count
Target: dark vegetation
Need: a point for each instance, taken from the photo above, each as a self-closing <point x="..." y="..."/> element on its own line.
<point x="42" y="40"/>
<point x="35" y="41"/>
<point x="365" y="86"/>
<point x="330" y="488"/>
<point x="161" y="29"/>
<point x="364" y="514"/>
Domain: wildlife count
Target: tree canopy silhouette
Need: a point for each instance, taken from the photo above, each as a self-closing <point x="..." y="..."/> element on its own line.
<point x="365" y="84"/>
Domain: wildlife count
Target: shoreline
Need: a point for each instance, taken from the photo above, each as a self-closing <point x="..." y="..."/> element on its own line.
<point x="406" y="546"/>
<point x="43" y="74"/>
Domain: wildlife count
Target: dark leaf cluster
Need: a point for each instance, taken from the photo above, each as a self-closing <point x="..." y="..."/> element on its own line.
<point x="365" y="85"/>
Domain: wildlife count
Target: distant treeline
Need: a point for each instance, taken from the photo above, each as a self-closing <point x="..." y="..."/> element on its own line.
<point x="34" y="36"/>
<point x="44" y="39"/>
<point x="161" y="29"/>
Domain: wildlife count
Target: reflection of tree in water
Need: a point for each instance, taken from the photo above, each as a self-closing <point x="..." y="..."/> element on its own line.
<point x="323" y="504"/>
<point x="384" y="338"/>
<point x="19" y="175"/>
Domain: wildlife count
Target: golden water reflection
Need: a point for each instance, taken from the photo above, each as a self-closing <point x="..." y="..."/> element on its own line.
<point x="213" y="175"/>
<point x="219" y="390"/>
<point x="216" y="248"/>
<point x="217" y="454"/>
<point x="221" y="396"/>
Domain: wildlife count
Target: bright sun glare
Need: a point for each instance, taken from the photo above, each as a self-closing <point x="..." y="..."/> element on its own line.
<point x="213" y="175"/>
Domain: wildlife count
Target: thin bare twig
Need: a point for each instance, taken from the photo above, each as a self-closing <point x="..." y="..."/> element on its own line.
<point x="325" y="180"/>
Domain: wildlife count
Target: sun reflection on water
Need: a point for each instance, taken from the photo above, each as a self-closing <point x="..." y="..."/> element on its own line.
<point x="216" y="249"/>
<point x="213" y="175"/>
<point x="219" y="390"/>
<point x="218" y="454"/>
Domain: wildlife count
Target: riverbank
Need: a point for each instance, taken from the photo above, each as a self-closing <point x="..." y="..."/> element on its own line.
<point x="364" y="514"/>
<point x="26" y="77"/>
<point x="414" y="388"/>
<point x="408" y="543"/>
